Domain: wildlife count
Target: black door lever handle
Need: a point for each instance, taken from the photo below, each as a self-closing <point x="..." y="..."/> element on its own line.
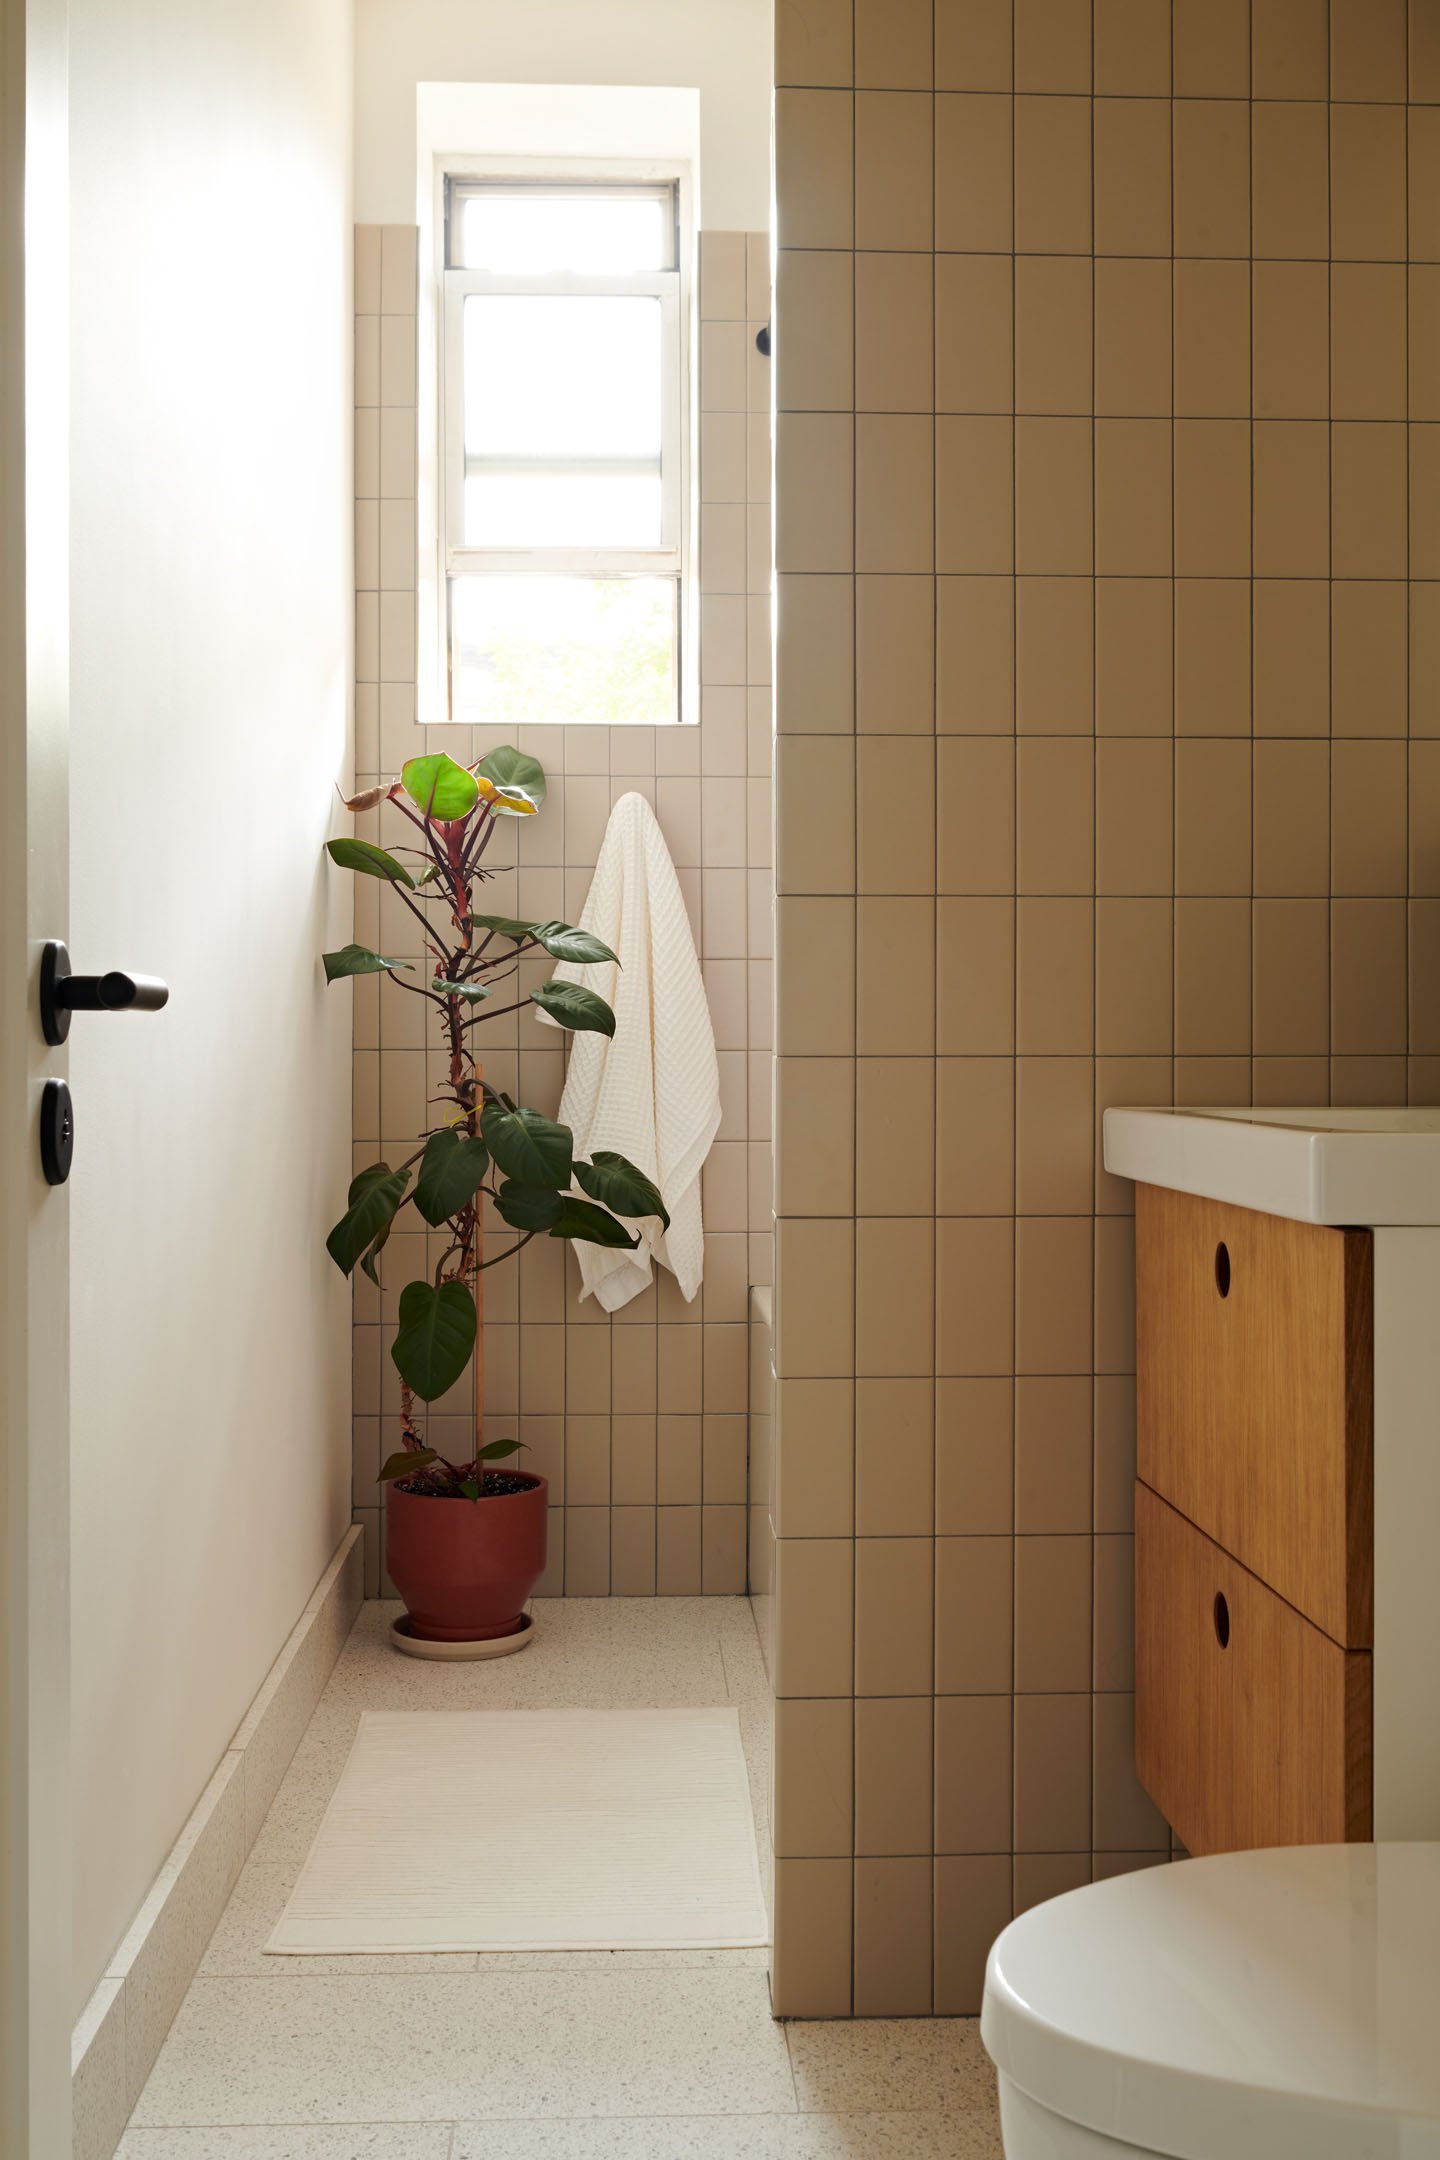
<point x="62" y="993"/>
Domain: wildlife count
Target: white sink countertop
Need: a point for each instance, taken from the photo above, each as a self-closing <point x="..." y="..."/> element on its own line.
<point x="1368" y="1168"/>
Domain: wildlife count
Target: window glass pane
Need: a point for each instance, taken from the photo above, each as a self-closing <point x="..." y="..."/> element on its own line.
<point x="550" y="509"/>
<point x="593" y="234"/>
<point x="560" y="377"/>
<point x="586" y="651"/>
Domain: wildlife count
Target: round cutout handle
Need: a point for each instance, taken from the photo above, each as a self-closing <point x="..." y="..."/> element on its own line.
<point x="1221" y="1616"/>
<point x="1222" y="1268"/>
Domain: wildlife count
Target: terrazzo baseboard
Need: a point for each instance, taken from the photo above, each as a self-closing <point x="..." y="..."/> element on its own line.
<point x="122" y="2027"/>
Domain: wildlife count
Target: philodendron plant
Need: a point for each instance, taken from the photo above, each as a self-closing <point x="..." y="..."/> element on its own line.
<point x="482" y="1145"/>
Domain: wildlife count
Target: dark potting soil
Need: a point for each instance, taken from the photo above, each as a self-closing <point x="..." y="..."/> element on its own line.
<point x="496" y="1483"/>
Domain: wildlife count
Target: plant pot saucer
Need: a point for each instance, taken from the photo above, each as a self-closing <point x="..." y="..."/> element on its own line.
<point x="491" y="1646"/>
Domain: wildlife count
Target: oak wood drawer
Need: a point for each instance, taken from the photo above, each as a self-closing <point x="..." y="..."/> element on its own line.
<point x="1253" y="1394"/>
<point x="1251" y="1726"/>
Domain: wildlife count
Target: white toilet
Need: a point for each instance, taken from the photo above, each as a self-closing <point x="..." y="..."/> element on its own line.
<point x="1280" y="2005"/>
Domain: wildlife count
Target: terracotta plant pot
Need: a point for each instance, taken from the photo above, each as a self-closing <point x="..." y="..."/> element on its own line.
<point x="466" y="1567"/>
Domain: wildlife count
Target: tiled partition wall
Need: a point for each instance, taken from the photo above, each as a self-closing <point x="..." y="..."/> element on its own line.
<point x="638" y="1422"/>
<point x="1108" y="681"/>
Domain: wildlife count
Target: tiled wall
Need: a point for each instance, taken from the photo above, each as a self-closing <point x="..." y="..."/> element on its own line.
<point x="1108" y="492"/>
<point x="638" y="1422"/>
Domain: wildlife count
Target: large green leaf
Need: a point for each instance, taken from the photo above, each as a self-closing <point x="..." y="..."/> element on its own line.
<point x="619" y="1186"/>
<point x="358" y="960"/>
<point x="373" y="1198"/>
<point x="496" y="1450"/>
<point x="507" y="925"/>
<point x="369" y="860"/>
<point x="528" y="1147"/>
<point x="559" y="939"/>
<point x="407" y="1460"/>
<point x="564" y="943"/>
<point x="528" y="1207"/>
<point x="438" y="785"/>
<point x="591" y="1226"/>
<point x="575" y="1007"/>
<point x="512" y="769"/>
<point x="435" y="1337"/>
<point x="451" y="1171"/>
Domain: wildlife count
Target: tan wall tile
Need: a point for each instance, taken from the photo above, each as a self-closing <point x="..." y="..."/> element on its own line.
<point x="1055" y="815"/>
<point x="975" y="801"/>
<point x="1292" y="978"/>
<point x="1133" y="511"/>
<point x="894" y="492"/>
<point x="1054" y="971"/>
<point x="893" y="1775"/>
<point x="973" y="1600"/>
<point x="974" y="334"/>
<point x="1054" y="649"/>
<point x="894" y="1457"/>
<point x="972" y="1904"/>
<point x="814" y="167"/>
<point x="1367" y="183"/>
<point x="974" y="1295"/>
<point x="893" y="1953"/>
<point x="895" y="1136"/>
<point x="814" y="1616"/>
<point x="1291" y="165"/>
<point x="974" y="495"/>
<point x="1291" y="340"/>
<point x="814" y="1458"/>
<point x="1212" y="338"/>
<point x="1292" y="658"/>
<point x="1368" y="500"/>
<point x="1368" y="818"/>
<point x="1132" y="176"/>
<point x="1052" y="1294"/>
<point x="973" y="1457"/>
<point x="894" y="1603"/>
<point x="894" y="333"/>
<point x="894" y="169"/>
<point x="972" y="1773"/>
<point x="815" y="321"/>
<point x="894" y="1295"/>
<point x="975" y="655"/>
<point x="1052" y="1773"/>
<point x="1368" y="341"/>
<point x="974" y="1171"/>
<point x="813" y="1780"/>
<point x="1055" y="1137"/>
<point x="1053" y="1454"/>
<point x="1053" y="334"/>
<point x="1212" y="178"/>
<point x="894" y="655"/>
<point x="893" y="40"/>
<point x="815" y="692"/>
<point x="974" y="174"/>
<point x="1054" y="511"/>
<point x="815" y="1132"/>
<point x="1052" y="45"/>
<point x="1290" y="49"/>
<point x="973" y="44"/>
<point x="1212" y="817"/>
<point x="896" y="977"/>
<point x="1132" y="337"/>
<point x="1052" y="1614"/>
<point x="1053" y="175"/>
<point x="976" y="978"/>
<point x="1134" y="824"/>
<point x="1133" y="656"/>
<point x="1212" y="49"/>
<point x="810" y="1972"/>
<point x="813" y="41"/>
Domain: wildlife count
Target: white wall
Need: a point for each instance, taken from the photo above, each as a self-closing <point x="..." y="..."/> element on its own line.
<point x="211" y="624"/>
<point x="720" y="47"/>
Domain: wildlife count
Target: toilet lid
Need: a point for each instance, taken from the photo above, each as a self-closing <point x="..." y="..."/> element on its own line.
<point x="1280" y="2005"/>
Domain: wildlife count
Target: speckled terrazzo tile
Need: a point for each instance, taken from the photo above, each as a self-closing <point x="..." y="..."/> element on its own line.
<point x="471" y="2047"/>
<point x="639" y="1961"/>
<point x="237" y="1948"/>
<point x="287" y="2141"/>
<point x="846" y="2066"/>
<point x="912" y="2136"/>
<point x="288" y="1831"/>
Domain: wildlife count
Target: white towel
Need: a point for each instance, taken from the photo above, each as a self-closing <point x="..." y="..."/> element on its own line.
<point x="652" y="1090"/>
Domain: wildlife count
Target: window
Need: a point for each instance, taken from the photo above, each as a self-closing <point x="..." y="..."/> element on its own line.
<point x="564" y="453"/>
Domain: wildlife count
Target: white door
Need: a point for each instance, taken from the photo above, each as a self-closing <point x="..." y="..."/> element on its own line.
<point x="35" y="2006"/>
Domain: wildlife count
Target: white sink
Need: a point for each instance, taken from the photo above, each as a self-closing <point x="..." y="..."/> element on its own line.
<point x="1364" y="1167"/>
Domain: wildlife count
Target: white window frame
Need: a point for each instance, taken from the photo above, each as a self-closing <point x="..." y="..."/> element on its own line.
<point x="674" y="289"/>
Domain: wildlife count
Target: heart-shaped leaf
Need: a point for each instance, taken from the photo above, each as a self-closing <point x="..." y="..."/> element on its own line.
<point x="369" y="860"/>
<point x="575" y="1007"/>
<point x="497" y="1450"/>
<point x="472" y="993"/>
<point x="451" y="1171"/>
<point x="619" y="1186"/>
<point x="407" y="1460"/>
<point x="435" y="1337"/>
<point x="506" y="801"/>
<point x="528" y="1207"/>
<point x="357" y="960"/>
<point x="440" y="787"/>
<point x="528" y="1147"/>
<point x="591" y="1226"/>
<point x="373" y="1198"/>
<point x="513" y="769"/>
<point x="368" y="799"/>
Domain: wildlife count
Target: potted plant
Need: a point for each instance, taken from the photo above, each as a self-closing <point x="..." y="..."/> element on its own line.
<point x="465" y="1541"/>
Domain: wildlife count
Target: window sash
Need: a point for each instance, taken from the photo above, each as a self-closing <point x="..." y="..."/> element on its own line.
<point x="460" y="191"/>
<point x="464" y="560"/>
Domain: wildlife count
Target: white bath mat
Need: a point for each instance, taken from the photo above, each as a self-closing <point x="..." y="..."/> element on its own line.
<point x="533" y="1830"/>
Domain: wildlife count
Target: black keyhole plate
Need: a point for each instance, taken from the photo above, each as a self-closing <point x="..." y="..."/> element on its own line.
<point x="57" y="1132"/>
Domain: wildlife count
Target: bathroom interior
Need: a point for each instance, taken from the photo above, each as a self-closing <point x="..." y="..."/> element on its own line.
<point x="906" y="533"/>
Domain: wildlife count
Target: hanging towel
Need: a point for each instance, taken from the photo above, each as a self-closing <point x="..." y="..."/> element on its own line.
<point x="652" y="1090"/>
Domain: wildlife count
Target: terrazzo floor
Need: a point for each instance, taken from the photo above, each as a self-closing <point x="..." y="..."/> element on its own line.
<point x="593" y="2055"/>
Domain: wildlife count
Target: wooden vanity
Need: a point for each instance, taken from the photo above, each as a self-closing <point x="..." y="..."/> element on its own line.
<point x="1287" y="1507"/>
